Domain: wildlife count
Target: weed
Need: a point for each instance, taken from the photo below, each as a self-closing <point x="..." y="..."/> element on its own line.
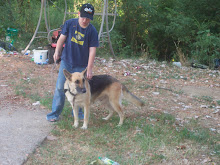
<point x="35" y="97"/>
<point x="125" y="102"/>
<point x="20" y="90"/>
<point x="146" y="86"/>
<point x="152" y="75"/>
<point x="46" y="101"/>
<point x="164" y="118"/>
<point x="129" y="82"/>
<point x="157" y="158"/>
<point x="56" y="132"/>
<point x="34" y="81"/>
<point x="179" y="92"/>
<point x="207" y="98"/>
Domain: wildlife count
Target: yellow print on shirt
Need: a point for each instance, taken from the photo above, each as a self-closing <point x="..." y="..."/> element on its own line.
<point x="76" y="32"/>
<point x="79" y="36"/>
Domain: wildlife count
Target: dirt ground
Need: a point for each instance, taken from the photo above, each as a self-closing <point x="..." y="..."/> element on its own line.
<point x="186" y="92"/>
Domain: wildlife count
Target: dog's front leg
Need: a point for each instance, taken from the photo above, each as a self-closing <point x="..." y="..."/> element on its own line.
<point x="76" y="117"/>
<point x="86" y="117"/>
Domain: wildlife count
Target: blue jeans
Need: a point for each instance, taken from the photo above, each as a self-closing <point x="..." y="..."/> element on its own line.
<point x="59" y="95"/>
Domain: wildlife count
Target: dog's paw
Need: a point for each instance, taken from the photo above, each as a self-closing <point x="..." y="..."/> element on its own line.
<point x="105" y="118"/>
<point x="76" y="125"/>
<point x="84" y="127"/>
<point x="119" y="125"/>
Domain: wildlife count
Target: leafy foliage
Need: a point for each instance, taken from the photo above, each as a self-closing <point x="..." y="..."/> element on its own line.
<point x="159" y="25"/>
<point x="206" y="47"/>
<point x="153" y="28"/>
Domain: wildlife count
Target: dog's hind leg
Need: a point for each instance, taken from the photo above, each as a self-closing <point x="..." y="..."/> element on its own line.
<point x="111" y="111"/>
<point x="117" y="107"/>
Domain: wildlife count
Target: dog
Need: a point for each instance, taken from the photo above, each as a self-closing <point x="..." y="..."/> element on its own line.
<point x="82" y="92"/>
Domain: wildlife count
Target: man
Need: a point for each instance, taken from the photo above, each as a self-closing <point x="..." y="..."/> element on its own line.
<point x="81" y="39"/>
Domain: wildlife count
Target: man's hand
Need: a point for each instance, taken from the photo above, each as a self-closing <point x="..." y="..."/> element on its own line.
<point x="56" y="57"/>
<point x="59" y="48"/>
<point x="92" y="53"/>
<point x="89" y="74"/>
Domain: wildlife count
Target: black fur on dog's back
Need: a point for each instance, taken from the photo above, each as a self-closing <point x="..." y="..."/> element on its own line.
<point x="98" y="83"/>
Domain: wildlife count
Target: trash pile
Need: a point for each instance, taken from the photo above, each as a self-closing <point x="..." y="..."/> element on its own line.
<point x="39" y="57"/>
<point x="3" y="52"/>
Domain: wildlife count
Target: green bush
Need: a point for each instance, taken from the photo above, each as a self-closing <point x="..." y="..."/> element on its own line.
<point x="206" y="47"/>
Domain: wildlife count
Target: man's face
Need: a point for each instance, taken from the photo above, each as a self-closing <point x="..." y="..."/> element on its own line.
<point x="83" y="21"/>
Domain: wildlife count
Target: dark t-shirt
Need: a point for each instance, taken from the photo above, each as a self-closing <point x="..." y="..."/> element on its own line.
<point x="78" y="42"/>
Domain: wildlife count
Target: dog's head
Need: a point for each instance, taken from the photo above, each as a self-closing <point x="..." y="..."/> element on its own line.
<point x="76" y="81"/>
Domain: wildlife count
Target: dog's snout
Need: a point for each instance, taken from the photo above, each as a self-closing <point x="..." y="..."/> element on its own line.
<point x="81" y="90"/>
<point x="84" y="90"/>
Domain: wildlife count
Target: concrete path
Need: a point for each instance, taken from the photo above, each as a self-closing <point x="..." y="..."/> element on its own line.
<point x="21" y="131"/>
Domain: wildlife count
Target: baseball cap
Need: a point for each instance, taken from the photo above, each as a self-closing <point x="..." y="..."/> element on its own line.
<point x="87" y="10"/>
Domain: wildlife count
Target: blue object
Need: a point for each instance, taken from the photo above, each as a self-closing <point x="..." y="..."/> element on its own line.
<point x="42" y="63"/>
<point x="80" y="114"/>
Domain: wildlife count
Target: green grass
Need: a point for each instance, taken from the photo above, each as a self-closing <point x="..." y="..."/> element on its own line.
<point x="128" y="144"/>
<point x="207" y="98"/>
<point x="129" y="82"/>
<point x="20" y="90"/>
<point x="145" y="86"/>
<point x="152" y="75"/>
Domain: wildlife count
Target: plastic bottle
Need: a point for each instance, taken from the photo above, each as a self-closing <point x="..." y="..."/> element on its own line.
<point x="108" y="161"/>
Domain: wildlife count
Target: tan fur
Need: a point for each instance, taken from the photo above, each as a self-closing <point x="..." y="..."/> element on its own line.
<point x="111" y="96"/>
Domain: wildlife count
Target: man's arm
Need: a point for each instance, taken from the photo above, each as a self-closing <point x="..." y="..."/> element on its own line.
<point x="92" y="54"/>
<point x="59" y="47"/>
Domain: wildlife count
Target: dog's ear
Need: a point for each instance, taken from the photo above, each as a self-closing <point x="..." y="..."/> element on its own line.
<point x="67" y="74"/>
<point x="85" y="73"/>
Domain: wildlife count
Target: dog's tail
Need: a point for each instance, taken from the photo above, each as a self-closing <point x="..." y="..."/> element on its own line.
<point x="131" y="97"/>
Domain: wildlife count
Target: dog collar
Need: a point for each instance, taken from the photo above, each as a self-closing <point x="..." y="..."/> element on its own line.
<point x="65" y="90"/>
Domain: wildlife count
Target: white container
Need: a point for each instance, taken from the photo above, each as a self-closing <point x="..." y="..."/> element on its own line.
<point x="40" y="56"/>
<point x="178" y="64"/>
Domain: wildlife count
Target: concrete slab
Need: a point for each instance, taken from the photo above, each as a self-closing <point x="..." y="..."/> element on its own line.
<point x="21" y="131"/>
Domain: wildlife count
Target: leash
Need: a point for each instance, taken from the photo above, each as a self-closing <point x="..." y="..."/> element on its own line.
<point x="54" y="67"/>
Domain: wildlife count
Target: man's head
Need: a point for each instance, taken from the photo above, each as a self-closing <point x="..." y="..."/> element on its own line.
<point x="87" y="11"/>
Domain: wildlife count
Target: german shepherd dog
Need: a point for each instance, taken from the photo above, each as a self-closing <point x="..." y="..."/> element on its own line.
<point x="81" y="92"/>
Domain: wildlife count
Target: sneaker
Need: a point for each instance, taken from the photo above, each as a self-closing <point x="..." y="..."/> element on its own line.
<point x="52" y="120"/>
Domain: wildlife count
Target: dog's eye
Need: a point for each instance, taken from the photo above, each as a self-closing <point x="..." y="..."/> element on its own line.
<point x="77" y="81"/>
